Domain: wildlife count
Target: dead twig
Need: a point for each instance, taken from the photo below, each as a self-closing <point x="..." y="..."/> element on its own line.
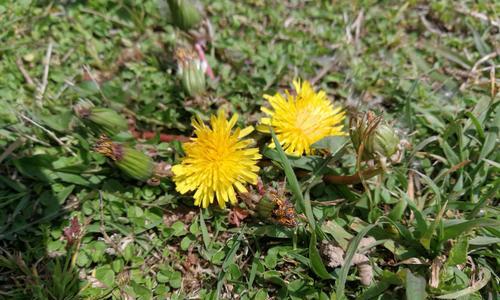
<point x="327" y="203"/>
<point x="12" y="147"/>
<point x="473" y="71"/>
<point x="107" y="239"/>
<point x="327" y="68"/>
<point x="49" y="133"/>
<point x="464" y="10"/>
<point x="43" y="86"/>
<point x="26" y="75"/>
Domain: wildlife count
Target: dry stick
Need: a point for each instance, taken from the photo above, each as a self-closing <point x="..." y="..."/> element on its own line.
<point x="33" y="139"/>
<point x="43" y="86"/>
<point x="12" y="147"/>
<point x="328" y="203"/>
<point x="106" y="18"/>
<point x="464" y="10"/>
<point x="494" y="90"/>
<point x="411" y="192"/>
<point x="86" y="68"/>
<point x="357" y="25"/>
<point x="50" y="133"/>
<point x="476" y="65"/>
<point x="324" y="70"/>
<point x="26" y="75"/>
<point x="103" y="228"/>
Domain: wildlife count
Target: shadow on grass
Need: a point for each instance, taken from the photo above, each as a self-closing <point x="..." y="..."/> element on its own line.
<point x="29" y="210"/>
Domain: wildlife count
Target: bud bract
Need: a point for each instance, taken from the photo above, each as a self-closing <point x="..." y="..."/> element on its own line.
<point x="131" y="161"/>
<point x="378" y="138"/>
<point x="185" y="14"/>
<point x="105" y="120"/>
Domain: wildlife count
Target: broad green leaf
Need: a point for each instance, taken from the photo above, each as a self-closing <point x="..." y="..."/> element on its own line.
<point x="474" y="288"/>
<point x="455" y="230"/>
<point x="398" y="210"/>
<point x="105" y="275"/>
<point x="204" y="231"/>
<point x="415" y="286"/>
<point x="476" y="123"/>
<point x="253" y="270"/>
<point x="450" y="55"/>
<point x="388" y="279"/>
<point x="458" y="253"/>
<point x="419" y="217"/>
<point x="484" y="240"/>
<point x="273" y="231"/>
<point x="341" y="236"/>
<point x="425" y="240"/>
<point x="452" y="157"/>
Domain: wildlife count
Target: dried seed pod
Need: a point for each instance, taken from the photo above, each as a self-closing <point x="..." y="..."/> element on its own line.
<point x="132" y="162"/>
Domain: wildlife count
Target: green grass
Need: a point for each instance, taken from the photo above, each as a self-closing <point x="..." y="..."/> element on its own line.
<point x="425" y="66"/>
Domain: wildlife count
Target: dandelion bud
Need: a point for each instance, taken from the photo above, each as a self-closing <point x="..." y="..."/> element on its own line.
<point x="132" y="162"/>
<point x="102" y="119"/>
<point x="191" y="71"/>
<point x="185" y="15"/>
<point x="193" y="80"/>
<point x="271" y="206"/>
<point x="385" y="141"/>
<point x="264" y="208"/>
<point x="377" y="137"/>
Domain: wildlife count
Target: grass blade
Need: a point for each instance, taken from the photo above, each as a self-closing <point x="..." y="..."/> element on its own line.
<point x="228" y="260"/>
<point x="204" y="231"/>
<point x="294" y="183"/>
<point x="316" y="262"/>
<point x="455" y="230"/>
<point x="351" y="250"/>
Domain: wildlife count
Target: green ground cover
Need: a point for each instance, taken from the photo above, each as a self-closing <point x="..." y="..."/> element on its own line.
<point x="73" y="225"/>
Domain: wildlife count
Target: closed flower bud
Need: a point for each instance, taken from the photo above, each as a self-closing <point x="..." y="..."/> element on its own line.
<point x="132" y="162"/>
<point x="193" y="80"/>
<point x="191" y="71"/>
<point x="264" y="208"/>
<point x="102" y="119"/>
<point x="384" y="142"/>
<point x="108" y="120"/>
<point x="379" y="140"/>
<point x="185" y="14"/>
<point x="271" y="206"/>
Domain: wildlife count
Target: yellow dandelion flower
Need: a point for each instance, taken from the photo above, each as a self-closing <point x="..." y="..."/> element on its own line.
<point x="301" y="119"/>
<point x="217" y="161"/>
